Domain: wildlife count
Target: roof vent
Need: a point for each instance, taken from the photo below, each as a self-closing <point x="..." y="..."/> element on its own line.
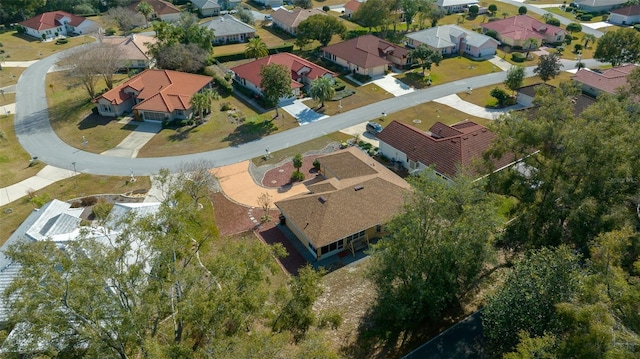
<point x="358" y="187"/>
<point x="322" y="199"/>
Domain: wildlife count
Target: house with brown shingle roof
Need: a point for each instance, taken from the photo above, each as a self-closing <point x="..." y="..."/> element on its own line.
<point x="526" y="95"/>
<point x="153" y="95"/>
<point x="366" y="55"/>
<point x="289" y="20"/>
<point x="348" y="207"/>
<point x="515" y="30"/>
<point x="162" y="10"/>
<point x="302" y="72"/>
<point x="134" y="50"/>
<point x="627" y="15"/>
<point x="595" y="82"/>
<point x="57" y="23"/>
<point x="446" y="149"/>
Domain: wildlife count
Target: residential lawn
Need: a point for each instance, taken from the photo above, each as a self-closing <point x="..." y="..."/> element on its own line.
<point x="7" y="98"/>
<point x="481" y="96"/>
<point x="221" y="130"/>
<point x="450" y="69"/>
<point x="269" y="37"/>
<point x="14" y="160"/>
<point x="571" y="16"/>
<point x="364" y="95"/>
<point x="507" y="57"/>
<point x="425" y="115"/>
<point x="464" y="21"/>
<point x="313" y="145"/>
<point x="67" y="189"/>
<point x="538" y="2"/>
<point x="19" y="47"/>
<point x="10" y="75"/>
<point x="70" y="115"/>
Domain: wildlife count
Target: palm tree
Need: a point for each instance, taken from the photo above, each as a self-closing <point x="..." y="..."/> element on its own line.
<point x="211" y="96"/>
<point x="256" y="48"/>
<point x="322" y="89"/>
<point x="588" y="38"/>
<point x="201" y="102"/>
<point x="529" y="44"/>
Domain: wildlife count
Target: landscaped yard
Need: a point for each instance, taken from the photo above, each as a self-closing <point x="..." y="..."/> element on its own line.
<point x="70" y="109"/>
<point x="14" y="160"/>
<point x="450" y="69"/>
<point x="364" y="95"/>
<point x="20" y="47"/>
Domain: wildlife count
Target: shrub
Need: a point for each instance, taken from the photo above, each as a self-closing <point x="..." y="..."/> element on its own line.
<point x="518" y="57"/>
<point x="326" y="8"/>
<point x="226" y="106"/>
<point x="577" y="47"/>
<point x="492" y="33"/>
<point x="62" y="41"/>
<point x="499" y="94"/>
<point x="568" y="40"/>
<point x="553" y="21"/>
<point x="297" y="176"/>
<point x="331" y="319"/>
<point x="637" y="27"/>
<point x="109" y="31"/>
<point x="39" y="200"/>
<point x="605" y="17"/>
<point x="88" y="201"/>
<point x="339" y="85"/>
<point x="316" y="165"/>
<point x="222" y="84"/>
<point x="101" y="210"/>
<point x="585" y="17"/>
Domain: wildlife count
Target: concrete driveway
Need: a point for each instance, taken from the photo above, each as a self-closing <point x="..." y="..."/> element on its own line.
<point x="130" y="146"/>
<point x="454" y="101"/>
<point x="393" y="85"/>
<point x="301" y="112"/>
<point x="360" y="130"/>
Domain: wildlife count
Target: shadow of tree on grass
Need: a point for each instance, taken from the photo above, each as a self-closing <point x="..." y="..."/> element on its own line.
<point x="182" y="134"/>
<point x="250" y="131"/>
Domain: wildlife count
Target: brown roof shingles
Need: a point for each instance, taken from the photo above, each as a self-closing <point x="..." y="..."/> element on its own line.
<point x="160" y="7"/>
<point x="608" y="80"/>
<point x="294" y="18"/>
<point x="160" y="90"/>
<point x="365" y="51"/>
<point x="627" y="10"/>
<point x="445" y="147"/>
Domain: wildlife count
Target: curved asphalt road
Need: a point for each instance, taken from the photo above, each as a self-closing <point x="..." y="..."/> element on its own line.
<point x="37" y="137"/>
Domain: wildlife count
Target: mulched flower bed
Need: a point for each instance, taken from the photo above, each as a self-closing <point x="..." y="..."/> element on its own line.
<point x="281" y="175"/>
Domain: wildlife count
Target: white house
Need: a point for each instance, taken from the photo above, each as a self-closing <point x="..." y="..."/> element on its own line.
<point x="207" y="8"/>
<point x="599" y="5"/>
<point x="627" y="15"/>
<point x="455" y="6"/>
<point x="228" y="29"/>
<point x="454" y="40"/>
<point x="57" y="23"/>
<point x="270" y="3"/>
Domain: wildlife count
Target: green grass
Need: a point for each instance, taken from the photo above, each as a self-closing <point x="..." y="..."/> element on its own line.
<point x="315" y="144"/>
<point x="20" y="47"/>
<point x="80" y="186"/>
<point x="425" y="115"/>
<point x="14" y="160"/>
<point x="10" y="75"/>
<point x="268" y="36"/>
<point x="364" y="95"/>
<point x="450" y="69"/>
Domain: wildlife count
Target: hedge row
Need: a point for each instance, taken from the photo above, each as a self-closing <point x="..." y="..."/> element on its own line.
<point x="240" y="55"/>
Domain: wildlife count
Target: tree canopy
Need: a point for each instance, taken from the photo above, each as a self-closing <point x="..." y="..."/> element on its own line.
<point x="426" y="56"/>
<point x="515" y="78"/>
<point x="319" y="27"/>
<point x="372" y="13"/>
<point x="321" y="89"/>
<point x="619" y="47"/>
<point x="548" y="66"/>
<point x="275" y="83"/>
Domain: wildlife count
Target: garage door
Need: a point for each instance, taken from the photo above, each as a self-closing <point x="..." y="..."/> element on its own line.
<point x="153" y="116"/>
<point x="487" y="51"/>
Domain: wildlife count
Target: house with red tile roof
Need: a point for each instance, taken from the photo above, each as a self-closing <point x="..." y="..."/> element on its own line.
<point x="57" y="23"/>
<point x="627" y="15"/>
<point x="346" y="207"/>
<point x="366" y="55"/>
<point x="446" y="149"/>
<point x="515" y="30"/>
<point x="351" y="7"/>
<point x="596" y="82"/>
<point x="289" y="20"/>
<point x="162" y="10"/>
<point x="302" y="72"/>
<point x="153" y="95"/>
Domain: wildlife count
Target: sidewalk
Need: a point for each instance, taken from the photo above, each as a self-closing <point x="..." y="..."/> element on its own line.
<point x="18" y="63"/>
<point x="454" y="101"/>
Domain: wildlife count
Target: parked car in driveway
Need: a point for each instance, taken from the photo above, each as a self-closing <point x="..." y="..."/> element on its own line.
<point x="374" y="128"/>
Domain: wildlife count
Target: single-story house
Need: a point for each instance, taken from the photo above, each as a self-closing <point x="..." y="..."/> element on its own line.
<point x="526" y="95"/>
<point x="348" y="207"/>
<point x="595" y="82"/>
<point x="454" y="40"/>
<point x="302" y="72"/>
<point x="162" y="10"/>
<point x="351" y="7"/>
<point x="134" y="49"/>
<point x="50" y="25"/>
<point x="446" y="149"/>
<point x="153" y="95"/>
<point x="455" y="6"/>
<point x="515" y="30"/>
<point x="366" y="55"/>
<point x="627" y="15"/>
<point x="599" y="5"/>
<point x="228" y="29"/>
<point x="270" y="3"/>
<point x="289" y="20"/>
<point x="207" y="8"/>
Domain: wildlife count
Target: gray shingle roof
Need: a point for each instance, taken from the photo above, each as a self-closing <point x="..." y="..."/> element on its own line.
<point x="445" y="35"/>
<point x="205" y="4"/>
<point x="227" y="25"/>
